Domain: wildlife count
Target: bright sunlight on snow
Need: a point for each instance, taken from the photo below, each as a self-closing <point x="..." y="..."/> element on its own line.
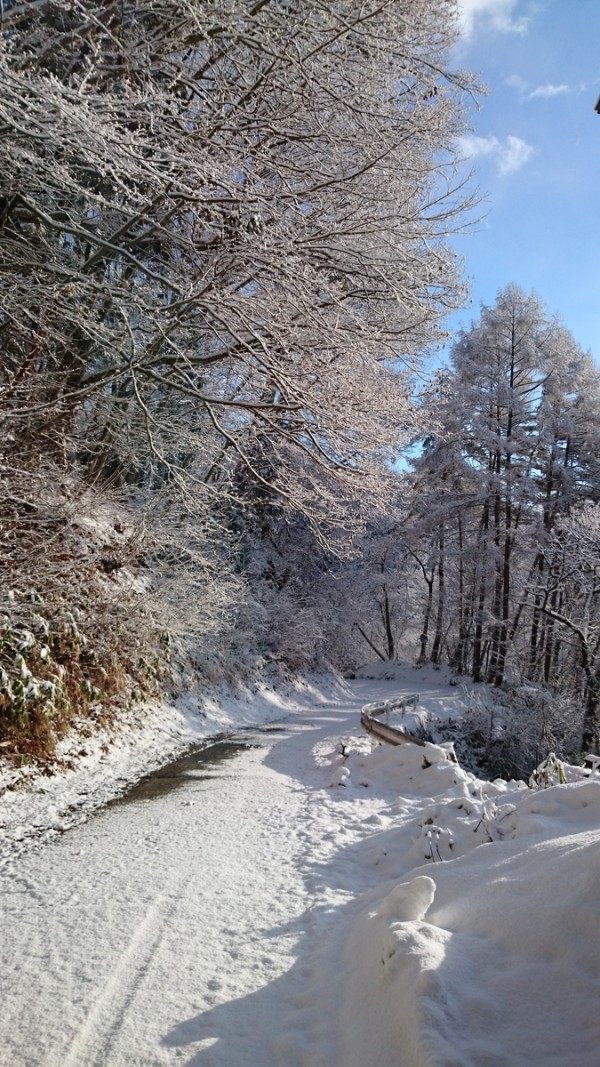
<point x="311" y="900"/>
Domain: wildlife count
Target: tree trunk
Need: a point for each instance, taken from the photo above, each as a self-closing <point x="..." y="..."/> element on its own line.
<point x="438" y="640"/>
<point x="478" y="649"/>
<point x="387" y="624"/>
<point x="424" y="635"/>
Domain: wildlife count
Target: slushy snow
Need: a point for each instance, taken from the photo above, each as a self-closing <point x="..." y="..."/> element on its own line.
<point x="313" y="901"/>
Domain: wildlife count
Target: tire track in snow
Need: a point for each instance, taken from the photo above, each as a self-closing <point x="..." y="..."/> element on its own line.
<point x="91" y="1046"/>
<point x="181" y="938"/>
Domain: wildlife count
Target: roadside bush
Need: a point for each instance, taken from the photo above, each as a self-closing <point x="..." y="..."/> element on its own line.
<point x="76" y="630"/>
<point x="507" y="733"/>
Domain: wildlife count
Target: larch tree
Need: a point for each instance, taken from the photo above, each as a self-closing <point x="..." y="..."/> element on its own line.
<point x="571" y="602"/>
<point x="517" y="415"/>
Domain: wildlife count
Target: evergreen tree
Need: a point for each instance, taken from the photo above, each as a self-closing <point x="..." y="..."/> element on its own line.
<point x="518" y="416"/>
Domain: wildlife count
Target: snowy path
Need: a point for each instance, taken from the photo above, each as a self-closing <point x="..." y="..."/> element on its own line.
<point x="167" y="931"/>
<point x="140" y="931"/>
<point x="293" y="908"/>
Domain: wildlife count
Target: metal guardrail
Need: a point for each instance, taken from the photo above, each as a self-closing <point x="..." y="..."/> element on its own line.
<point x="386" y="707"/>
<point x="391" y="735"/>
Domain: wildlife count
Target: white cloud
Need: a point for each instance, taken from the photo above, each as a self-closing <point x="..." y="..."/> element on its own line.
<point x="518" y="83"/>
<point x="549" y="90"/>
<point x="474" y="147"/>
<point x="523" y="87"/>
<point x="509" y="155"/>
<point x="514" y="154"/>
<point x="499" y="14"/>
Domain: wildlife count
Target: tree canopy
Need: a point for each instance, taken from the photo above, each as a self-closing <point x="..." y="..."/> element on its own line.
<point x="224" y="246"/>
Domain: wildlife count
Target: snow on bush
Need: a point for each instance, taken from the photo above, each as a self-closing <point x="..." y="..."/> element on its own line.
<point x="507" y="733"/>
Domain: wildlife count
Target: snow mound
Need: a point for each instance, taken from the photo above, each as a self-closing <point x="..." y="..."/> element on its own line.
<point x="478" y="942"/>
<point x="408" y="901"/>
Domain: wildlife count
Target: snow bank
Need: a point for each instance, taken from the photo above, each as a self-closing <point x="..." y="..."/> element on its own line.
<point x="478" y="944"/>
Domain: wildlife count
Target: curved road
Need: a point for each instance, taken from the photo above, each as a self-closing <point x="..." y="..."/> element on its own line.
<point x="171" y="929"/>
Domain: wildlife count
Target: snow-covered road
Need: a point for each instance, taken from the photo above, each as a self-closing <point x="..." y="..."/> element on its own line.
<point x="161" y="931"/>
<point x="169" y="930"/>
<point x="295" y="907"/>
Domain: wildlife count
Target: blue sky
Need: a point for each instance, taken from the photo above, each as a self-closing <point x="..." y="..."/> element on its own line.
<point x="535" y="145"/>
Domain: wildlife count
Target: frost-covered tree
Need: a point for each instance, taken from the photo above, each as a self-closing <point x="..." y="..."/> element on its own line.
<point x="518" y="415"/>
<point x="247" y="210"/>
<point x="499" y="367"/>
<point x="378" y="607"/>
<point x="437" y="531"/>
<point x="571" y="602"/>
<point x="223" y="244"/>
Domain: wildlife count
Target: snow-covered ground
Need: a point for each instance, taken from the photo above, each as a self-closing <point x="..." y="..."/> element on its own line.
<point x="93" y="767"/>
<point x="310" y="902"/>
